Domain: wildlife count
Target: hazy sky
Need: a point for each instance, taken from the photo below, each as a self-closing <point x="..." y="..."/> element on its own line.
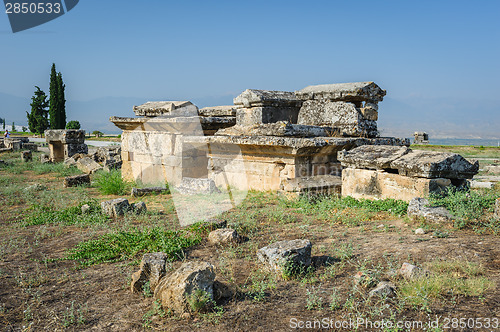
<point x="157" y="49"/>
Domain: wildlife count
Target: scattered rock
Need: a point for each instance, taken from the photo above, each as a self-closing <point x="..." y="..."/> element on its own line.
<point x="44" y="158"/>
<point x="420" y="231"/>
<point x="409" y="271"/>
<point x="26" y="155"/>
<point x="70" y="161"/>
<point x="139" y="207"/>
<point x="383" y="289"/>
<point x="85" y="208"/>
<point x="76" y="180"/>
<point x="481" y="184"/>
<point x="88" y="165"/>
<point x="192" y="283"/>
<point x="223" y="236"/>
<point x="136" y="192"/>
<point x="151" y="270"/>
<point x="418" y="208"/>
<point x="115" y="207"/>
<point x="293" y="253"/>
<point x="35" y="187"/>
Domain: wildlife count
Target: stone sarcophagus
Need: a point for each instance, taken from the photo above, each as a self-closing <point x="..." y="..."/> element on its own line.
<point x="377" y="172"/>
<point x="64" y="143"/>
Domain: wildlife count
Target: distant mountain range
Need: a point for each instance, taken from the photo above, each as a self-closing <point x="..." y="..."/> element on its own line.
<point x="441" y="118"/>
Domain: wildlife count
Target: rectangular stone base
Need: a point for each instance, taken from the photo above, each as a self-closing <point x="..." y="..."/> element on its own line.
<point x="376" y="184"/>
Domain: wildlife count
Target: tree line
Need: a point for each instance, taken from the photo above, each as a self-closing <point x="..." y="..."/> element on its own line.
<point x="50" y="112"/>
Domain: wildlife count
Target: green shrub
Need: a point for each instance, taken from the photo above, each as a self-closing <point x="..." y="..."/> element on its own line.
<point x="112" y="183"/>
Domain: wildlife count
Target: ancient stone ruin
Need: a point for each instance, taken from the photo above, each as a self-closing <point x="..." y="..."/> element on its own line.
<point x="420" y="138"/>
<point x="64" y="143"/>
<point x="268" y="140"/>
<point x="378" y="172"/>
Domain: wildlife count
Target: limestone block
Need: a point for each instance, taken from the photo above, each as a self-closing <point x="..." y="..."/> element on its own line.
<point x="115" y="207"/>
<point x="431" y="164"/>
<point x="218" y="111"/>
<point x="371" y="156"/>
<point x="412" y="272"/>
<point x="151" y="270"/>
<point x="419" y="208"/>
<point x="88" y="165"/>
<point x="138" y="192"/>
<point x="383" y="289"/>
<point x="75" y="148"/>
<point x="337" y="114"/>
<point x="191" y="278"/>
<point x="44" y="158"/>
<point x="65" y="136"/>
<point x="139" y="207"/>
<point x="286" y="254"/>
<point x="26" y="156"/>
<point x="312" y="185"/>
<point x="281" y="128"/>
<point x="257" y="98"/>
<point x="376" y="184"/>
<point x="223" y="236"/>
<point x="266" y="114"/>
<point x="358" y="91"/>
<point x="166" y="108"/>
<point x="76" y="180"/>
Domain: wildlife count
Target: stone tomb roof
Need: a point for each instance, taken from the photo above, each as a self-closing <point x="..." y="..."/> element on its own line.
<point x="258" y="98"/>
<point x="167" y="108"/>
<point x="357" y="91"/>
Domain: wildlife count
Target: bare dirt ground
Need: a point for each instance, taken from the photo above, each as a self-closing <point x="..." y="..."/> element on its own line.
<point x="41" y="290"/>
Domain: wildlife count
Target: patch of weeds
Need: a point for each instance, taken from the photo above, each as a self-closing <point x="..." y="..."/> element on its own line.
<point x="313" y="300"/>
<point x="112" y="183"/>
<point x="344" y="251"/>
<point x="124" y="245"/>
<point x="199" y="301"/>
<point x="215" y="315"/>
<point x="260" y="283"/>
<point x="469" y="207"/>
<point x="293" y="270"/>
<point x="335" y="300"/>
<point x="41" y="215"/>
<point x="156" y="310"/>
<point x="74" y="316"/>
<point x="447" y="278"/>
<point x="441" y="234"/>
<point x="146" y="289"/>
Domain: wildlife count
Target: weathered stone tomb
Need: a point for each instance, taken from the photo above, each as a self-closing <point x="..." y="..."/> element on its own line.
<point x="64" y="143"/>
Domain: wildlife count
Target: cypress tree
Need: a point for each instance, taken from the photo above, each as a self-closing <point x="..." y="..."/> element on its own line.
<point x="38" y="118"/>
<point x="61" y="102"/>
<point x="54" y="99"/>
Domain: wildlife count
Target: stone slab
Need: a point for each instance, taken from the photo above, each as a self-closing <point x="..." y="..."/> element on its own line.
<point x="372" y="156"/>
<point x="376" y="184"/>
<point x="281" y="128"/>
<point x="253" y="98"/>
<point x="218" y="111"/>
<point x="357" y="91"/>
<point x="430" y="164"/>
<point x="166" y="108"/>
<point x="337" y="114"/>
<point x="65" y="136"/>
